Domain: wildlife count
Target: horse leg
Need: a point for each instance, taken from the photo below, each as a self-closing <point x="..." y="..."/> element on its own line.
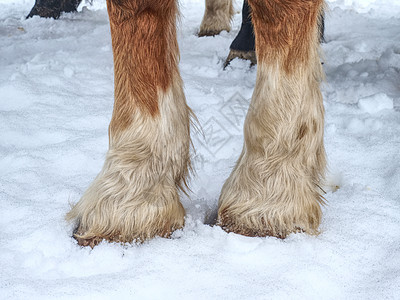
<point x="274" y="188"/>
<point x="136" y="195"/>
<point x="217" y="17"/>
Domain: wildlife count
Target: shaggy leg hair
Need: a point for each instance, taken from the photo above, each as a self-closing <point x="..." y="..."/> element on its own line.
<point x="136" y="194"/>
<point x="217" y="17"/>
<point x="274" y="188"/>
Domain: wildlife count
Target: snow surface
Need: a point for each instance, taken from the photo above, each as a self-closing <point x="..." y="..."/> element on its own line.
<point x="56" y="97"/>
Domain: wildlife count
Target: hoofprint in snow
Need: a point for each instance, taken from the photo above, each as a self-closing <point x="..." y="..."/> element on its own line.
<point x="56" y="97"/>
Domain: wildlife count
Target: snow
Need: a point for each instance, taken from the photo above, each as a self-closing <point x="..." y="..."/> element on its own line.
<point x="375" y="103"/>
<point x="56" y="91"/>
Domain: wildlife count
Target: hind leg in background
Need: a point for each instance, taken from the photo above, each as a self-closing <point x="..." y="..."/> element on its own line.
<point x="136" y="195"/>
<point x="217" y="17"/>
<point x="274" y="187"/>
<point x="243" y="46"/>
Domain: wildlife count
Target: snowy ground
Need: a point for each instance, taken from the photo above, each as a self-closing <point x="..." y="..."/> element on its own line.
<point x="56" y="97"/>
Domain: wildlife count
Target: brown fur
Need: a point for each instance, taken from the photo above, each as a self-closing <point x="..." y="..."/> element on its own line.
<point x="145" y="56"/>
<point x="285" y="29"/>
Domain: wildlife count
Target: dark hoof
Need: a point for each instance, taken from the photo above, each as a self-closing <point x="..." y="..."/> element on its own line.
<point x="53" y="8"/>
<point x="44" y="12"/>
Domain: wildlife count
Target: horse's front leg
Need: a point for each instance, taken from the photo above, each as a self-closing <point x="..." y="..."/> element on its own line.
<point x="274" y="188"/>
<point x="135" y="196"/>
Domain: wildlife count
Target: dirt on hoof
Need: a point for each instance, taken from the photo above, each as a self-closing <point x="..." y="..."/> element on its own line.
<point x="84" y="242"/>
<point x="92" y="242"/>
<point x="246" y="55"/>
<point x="263" y="229"/>
<point x="242" y="230"/>
<point x="252" y="232"/>
<point x="208" y="33"/>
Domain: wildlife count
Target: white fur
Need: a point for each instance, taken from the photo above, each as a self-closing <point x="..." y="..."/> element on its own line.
<point x="274" y="188"/>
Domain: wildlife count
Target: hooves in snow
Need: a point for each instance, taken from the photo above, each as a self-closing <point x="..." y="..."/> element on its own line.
<point x="241" y="218"/>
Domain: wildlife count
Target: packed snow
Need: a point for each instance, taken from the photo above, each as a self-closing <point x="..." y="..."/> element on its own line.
<point x="56" y="99"/>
